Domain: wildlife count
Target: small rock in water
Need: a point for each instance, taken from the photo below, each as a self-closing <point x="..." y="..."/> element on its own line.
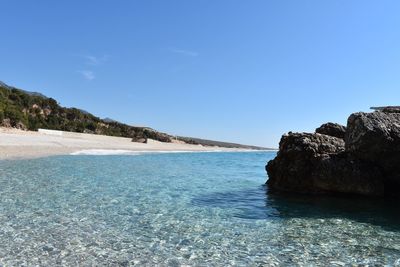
<point x="173" y="263"/>
<point x="123" y="263"/>
<point x="47" y="248"/>
<point x="184" y="242"/>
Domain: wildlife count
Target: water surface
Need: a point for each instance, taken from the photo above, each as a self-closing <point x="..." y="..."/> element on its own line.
<point x="196" y="209"/>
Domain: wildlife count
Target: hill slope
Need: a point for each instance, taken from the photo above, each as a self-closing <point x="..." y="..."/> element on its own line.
<point x="31" y="111"/>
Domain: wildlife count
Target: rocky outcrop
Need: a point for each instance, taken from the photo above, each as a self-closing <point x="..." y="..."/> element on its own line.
<point x="7" y="123"/>
<point x="21" y="126"/>
<point x="139" y="140"/>
<point x="332" y="129"/>
<point x="362" y="158"/>
<point x="375" y="138"/>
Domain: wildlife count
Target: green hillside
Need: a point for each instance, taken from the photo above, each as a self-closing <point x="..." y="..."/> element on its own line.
<point x="31" y="111"/>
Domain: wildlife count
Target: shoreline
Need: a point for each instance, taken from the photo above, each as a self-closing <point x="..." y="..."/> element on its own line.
<point x="18" y="144"/>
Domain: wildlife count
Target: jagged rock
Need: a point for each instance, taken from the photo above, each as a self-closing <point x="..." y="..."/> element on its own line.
<point x="391" y="110"/>
<point x="388" y="109"/>
<point x="332" y="129"/>
<point x="6" y="123"/>
<point x="298" y="152"/>
<point x="152" y="134"/>
<point x="139" y="140"/>
<point x="316" y="163"/>
<point x="375" y="138"/>
<point x="366" y="161"/>
<point x="340" y="173"/>
<point x="21" y="126"/>
<point x="87" y="131"/>
<point x="373" y="134"/>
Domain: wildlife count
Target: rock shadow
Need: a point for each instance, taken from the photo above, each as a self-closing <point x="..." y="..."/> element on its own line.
<point x="261" y="203"/>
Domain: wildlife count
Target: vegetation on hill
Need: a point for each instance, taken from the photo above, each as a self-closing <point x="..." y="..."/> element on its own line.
<point x="31" y="111"/>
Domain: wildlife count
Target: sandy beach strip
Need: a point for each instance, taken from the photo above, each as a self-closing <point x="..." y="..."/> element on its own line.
<point x="18" y="144"/>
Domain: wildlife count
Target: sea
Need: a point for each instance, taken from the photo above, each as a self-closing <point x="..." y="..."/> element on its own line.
<point x="181" y="209"/>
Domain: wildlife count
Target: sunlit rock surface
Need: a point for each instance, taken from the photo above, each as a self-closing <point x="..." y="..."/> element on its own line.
<point x="362" y="158"/>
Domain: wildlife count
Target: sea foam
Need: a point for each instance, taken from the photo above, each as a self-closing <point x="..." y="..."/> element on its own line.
<point x="107" y="152"/>
<point x="104" y="152"/>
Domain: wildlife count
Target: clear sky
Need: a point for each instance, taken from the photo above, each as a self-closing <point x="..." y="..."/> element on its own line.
<point x="240" y="71"/>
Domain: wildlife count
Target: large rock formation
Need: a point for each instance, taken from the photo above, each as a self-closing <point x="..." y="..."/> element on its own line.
<point x="363" y="158"/>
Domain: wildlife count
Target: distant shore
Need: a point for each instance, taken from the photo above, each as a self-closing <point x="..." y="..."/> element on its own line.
<point x="18" y="144"/>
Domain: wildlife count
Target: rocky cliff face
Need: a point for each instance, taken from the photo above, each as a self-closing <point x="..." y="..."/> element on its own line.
<point x="362" y="158"/>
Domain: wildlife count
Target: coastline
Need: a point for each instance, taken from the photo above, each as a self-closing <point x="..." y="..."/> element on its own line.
<point x="19" y="144"/>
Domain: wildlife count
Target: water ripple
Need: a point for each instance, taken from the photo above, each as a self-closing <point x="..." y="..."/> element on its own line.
<point x="206" y="209"/>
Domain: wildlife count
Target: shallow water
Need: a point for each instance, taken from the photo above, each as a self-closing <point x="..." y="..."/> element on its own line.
<point x="196" y="209"/>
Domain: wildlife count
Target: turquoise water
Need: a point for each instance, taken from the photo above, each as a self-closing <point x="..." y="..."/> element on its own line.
<point x="190" y="209"/>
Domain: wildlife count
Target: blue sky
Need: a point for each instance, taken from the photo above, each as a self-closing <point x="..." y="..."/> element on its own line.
<point x="240" y="71"/>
